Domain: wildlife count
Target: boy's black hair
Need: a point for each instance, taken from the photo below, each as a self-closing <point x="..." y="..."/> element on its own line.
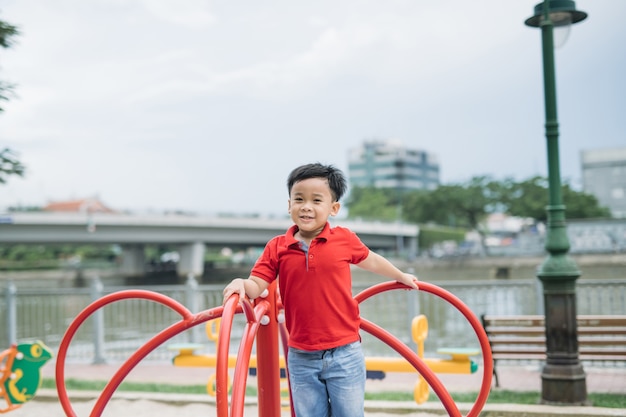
<point x="334" y="176"/>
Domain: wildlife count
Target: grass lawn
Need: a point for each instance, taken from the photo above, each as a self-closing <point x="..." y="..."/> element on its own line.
<point x="496" y="397"/>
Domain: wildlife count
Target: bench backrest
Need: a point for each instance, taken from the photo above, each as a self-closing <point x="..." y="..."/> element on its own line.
<point x="600" y="337"/>
<point x="533" y="325"/>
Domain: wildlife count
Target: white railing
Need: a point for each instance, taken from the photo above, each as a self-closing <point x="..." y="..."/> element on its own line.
<point x="120" y="328"/>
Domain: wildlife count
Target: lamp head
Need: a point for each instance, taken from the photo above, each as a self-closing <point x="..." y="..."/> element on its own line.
<point x="562" y="13"/>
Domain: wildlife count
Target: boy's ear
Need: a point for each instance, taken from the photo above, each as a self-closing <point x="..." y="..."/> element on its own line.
<point x="289" y="206"/>
<point x="334" y="209"/>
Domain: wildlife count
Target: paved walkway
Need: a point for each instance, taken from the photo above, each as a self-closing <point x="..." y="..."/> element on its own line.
<point x="609" y="380"/>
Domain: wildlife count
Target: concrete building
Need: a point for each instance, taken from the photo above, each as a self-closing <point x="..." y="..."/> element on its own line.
<point x="390" y="164"/>
<point x="604" y="176"/>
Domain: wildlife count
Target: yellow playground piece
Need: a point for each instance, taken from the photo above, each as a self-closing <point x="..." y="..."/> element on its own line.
<point x="20" y="373"/>
<point x="457" y="360"/>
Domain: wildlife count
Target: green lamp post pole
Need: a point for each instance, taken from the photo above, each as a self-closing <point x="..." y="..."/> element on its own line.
<point x="562" y="378"/>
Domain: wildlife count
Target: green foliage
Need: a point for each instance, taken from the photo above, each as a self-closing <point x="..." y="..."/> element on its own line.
<point x="24" y="209"/>
<point x="496" y="396"/>
<point x="455" y="205"/>
<point x="129" y="386"/>
<point x="9" y="165"/>
<point x="431" y="234"/>
<point x="529" y="198"/>
<point x="579" y="205"/>
<point x="601" y="399"/>
<point x="369" y="203"/>
<point x="215" y="256"/>
<point x="7" y="33"/>
<point x="466" y="205"/>
<point x="6" y="90"/>
<point x="499" y="396"/>
<point x="21" y="256"/>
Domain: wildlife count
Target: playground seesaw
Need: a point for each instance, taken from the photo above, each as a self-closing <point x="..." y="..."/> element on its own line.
<point x="263" y="325"/>
<point x="458" y="360"/>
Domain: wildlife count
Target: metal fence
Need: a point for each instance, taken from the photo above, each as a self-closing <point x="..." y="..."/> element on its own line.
<point x="118" y="329"/>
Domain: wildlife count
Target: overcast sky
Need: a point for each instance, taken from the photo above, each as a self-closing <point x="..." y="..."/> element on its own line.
<point x="206" y="106"/>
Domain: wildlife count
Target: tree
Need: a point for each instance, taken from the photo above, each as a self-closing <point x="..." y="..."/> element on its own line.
<point x="529" y="198"/>
<point x="9" y="164"/>
<point x="7" y="34"/>
<point x="580" y="205"/>
<point x="467" y="205"/>
<point x="370" y="203"/>
<point x="456" y="205"/>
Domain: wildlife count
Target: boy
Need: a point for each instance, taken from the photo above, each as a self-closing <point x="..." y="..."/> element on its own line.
<point x="325" y="361"/>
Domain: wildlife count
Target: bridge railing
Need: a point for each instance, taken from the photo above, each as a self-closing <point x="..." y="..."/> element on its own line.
<point x="120" y="328"/>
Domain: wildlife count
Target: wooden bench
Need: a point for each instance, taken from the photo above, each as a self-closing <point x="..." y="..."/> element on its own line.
<point x="600" y="338"/>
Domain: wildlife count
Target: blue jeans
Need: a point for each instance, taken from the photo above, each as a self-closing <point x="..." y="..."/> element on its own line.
<point x="327" y="383"/>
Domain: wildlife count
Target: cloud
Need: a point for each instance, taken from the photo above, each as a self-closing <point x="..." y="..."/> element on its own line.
<point x="194" y="13"/>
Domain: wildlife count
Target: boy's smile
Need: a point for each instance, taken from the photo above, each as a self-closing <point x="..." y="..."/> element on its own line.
<point x="310" y="204"/>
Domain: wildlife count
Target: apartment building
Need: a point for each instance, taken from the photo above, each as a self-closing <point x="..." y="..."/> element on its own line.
<point x="391" y="164"/>
<point x="604" y="176"/>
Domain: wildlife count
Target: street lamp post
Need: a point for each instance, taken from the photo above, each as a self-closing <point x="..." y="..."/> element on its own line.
<point x="562" y="378"/>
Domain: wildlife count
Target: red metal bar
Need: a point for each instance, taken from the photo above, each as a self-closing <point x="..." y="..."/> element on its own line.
<point x="81" y="317"/>
<point x="417" y="363"/>
<point x="242" y="365"/>
<point x="221" y="365"/>
<point x="268" y="366"/>
<point x="471" y="318"/>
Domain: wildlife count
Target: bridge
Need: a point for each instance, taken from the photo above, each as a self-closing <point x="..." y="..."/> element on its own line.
<point x="191" y="234"/>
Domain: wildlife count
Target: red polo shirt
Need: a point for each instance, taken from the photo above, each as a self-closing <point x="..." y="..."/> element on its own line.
<point x="315" y="286"/>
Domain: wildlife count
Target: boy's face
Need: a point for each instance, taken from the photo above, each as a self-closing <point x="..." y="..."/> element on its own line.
<point x="311" y="203"/>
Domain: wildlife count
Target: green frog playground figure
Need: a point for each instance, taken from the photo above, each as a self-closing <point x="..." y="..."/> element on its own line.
<point x="20" y="373"/>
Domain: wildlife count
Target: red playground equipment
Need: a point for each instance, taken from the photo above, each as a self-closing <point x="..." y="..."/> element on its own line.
<point x="263" y="322"/>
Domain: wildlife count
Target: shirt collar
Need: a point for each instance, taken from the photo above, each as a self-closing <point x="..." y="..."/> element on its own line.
<point x="324" y="234"/>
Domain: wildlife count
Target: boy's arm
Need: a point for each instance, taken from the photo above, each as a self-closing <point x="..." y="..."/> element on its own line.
<point x="252" y="287"/>
<point x="379" y="265"/>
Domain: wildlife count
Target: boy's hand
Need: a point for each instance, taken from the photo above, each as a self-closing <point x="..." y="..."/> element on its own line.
<point x="235" y="287"/>
<point x="409" y="280"/>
